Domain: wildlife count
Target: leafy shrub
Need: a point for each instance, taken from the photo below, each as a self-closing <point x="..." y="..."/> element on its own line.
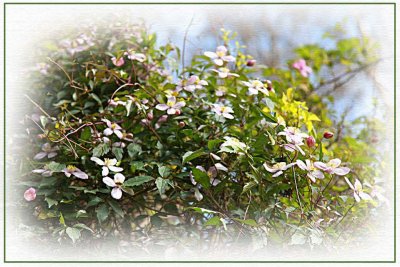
<point x="127" y="140"/>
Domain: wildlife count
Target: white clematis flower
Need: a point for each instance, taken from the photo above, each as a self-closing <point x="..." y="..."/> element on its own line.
<point x="219" y="56"/>
<point x="254" y="86"/>
<point x="222" y="110"/>
<point x="116" y="183"/>
<point x="132" y="55"/>
<point x="358" y="190"/>
<point x="172" y="107"/>
<point x="224" y="73"/>
<point x="312" y="172"/>
<point x="332" y="167"/>
<point x="108" y="165"/>
<point x="278" y="168"/>
<point x="112" y="128"/>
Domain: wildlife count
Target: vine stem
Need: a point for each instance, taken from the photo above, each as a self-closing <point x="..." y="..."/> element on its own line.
<point x="297" y="190"/>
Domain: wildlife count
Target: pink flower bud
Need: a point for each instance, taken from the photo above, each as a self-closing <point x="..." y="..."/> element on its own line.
<point x="30" y="194"/>
<point x="150" y="116"/>
<point x="251" y="62"/>
<point x="118" y="62"/>
<point x="310" y="141"/>
<point x="182" y="124"/>
<point x="163" y="118"/>
<point x="177" y="112"/>
<point x="328" y="135"/>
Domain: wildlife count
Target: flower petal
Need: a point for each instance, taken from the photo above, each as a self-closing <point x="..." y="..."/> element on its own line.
<point x="119" y="178"/>
<point x="197" y="194"/>
<point x="52" y="155"/>
<point x="105" y="171"/>
<point x="116" y="193"/>
<point x="301" y="165"/>
<point x="221" y="167"/>
<point x="108" y="131"/>
<point x="320" y="165"/>
<point x="108" y="181"/>
<point x="118" y="133"/>
<point x="115" y="169"/>
<point x="211" y="55"/>
<point x="40" y="155"/>
<point x="97" y="160"/>
<point x="80" y="174"/>
<point x="341" y="171"/>
<point x="162" y="107"/>
<point x="218" y="62"/>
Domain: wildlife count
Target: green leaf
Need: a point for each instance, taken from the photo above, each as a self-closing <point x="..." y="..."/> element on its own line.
<point x="164" y="171"/>
<point x="201" y="210"/>
<point x="101" y="150"/>
<point x="62" y="220"/>
<point x="215" y="221"/>
<point x="82" y="226"/>
<point x="73" y="233"/>
<point x="118" y="152"/>
<point x="213" y="143"/>
<point x="190" y="155"/>
<point x="48" y="182"/>
<point x="102" y="212"/>
<point x="51" y="202"/>
<point x="138" y="180"/>
<point x="161" y="184"/>
<point x="250" y="222"/>
<point x="86" y="133"/>
<point x="134" y="149"/>
<point x="156" y="220"/>
<point x="249" y="186"/>
<point x="137" y="166"/>
<point x="116" y="208"/>
<point x="201" y="177"/>
<point x="56" y="167"/>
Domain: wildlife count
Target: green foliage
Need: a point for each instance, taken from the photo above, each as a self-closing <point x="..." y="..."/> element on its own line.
<point x="223" y="151"/>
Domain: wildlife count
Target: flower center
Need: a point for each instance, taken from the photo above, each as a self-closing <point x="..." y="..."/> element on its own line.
<point x="107" y="162"/>
<point x="71" y="168"/>
<point x="113" y="126"/>
<point x="220" y="53"/>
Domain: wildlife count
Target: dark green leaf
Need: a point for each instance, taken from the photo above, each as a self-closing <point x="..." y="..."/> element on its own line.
<point x="73" y="233"/>
<point x="190" y="155"/>
<point x="138" y="180"/>
<point x="201" y="177"/>
<point x="134" y="149"/>
<point x="102" y="212"/>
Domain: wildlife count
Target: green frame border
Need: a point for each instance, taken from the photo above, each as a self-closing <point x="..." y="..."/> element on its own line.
<point x="194" y="3"/>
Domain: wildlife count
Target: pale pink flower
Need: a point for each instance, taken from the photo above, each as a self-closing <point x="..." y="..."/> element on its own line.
<point x="191" y="84"/>
<point x="255" y="86"/>
<point x="108" y="165"/>
<point x="222" y="110"/>
<point x="132" y="55"/>
<point x="72" y="170"/>
<point x="47" y="151"/>
<point x="116" y="184"/>
<point x="312" y="172"/>
<point x="358" y="190"/>
<point x="224" y="73"/>
<point x="118" y="62"/>
<point x="332" y="167"/>
<point x="30" y="194"/>
<point x="294" y="137"/>
<point x="278" y="168"/>
<point x="220" y="55"/>
<point x="112" y="128"/>
<point x="302" y="67"/>
<point x="172" y="107"/>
